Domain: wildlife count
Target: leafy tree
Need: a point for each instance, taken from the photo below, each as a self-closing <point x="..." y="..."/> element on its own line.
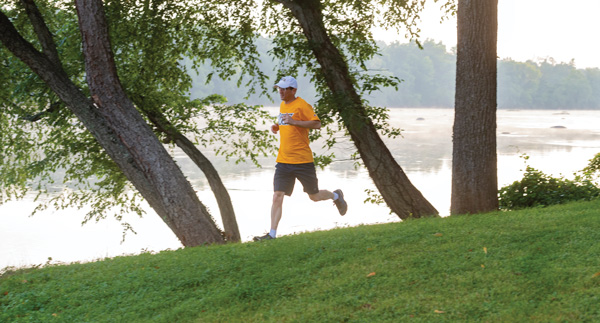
<point x="63" y="142"/>
<point x="395" y="60"/>
<point x="551" y="88"/>
<point x="546" y="85"/>
<point x="474" y="160"/>
<point x="159" y="89"/>
<point x="406" y="63"/>
<point x="517" y="83"/>
<point x="593" y="77"/>
<point x="577" y="89"/>
<point x="433" y="86"/>
<point x="112" y="119"/>
<point x="428" y="75"/>
<point x="332" y="40"/>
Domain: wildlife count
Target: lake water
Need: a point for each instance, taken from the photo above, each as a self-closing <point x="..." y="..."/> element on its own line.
<point x="424" y="152"/>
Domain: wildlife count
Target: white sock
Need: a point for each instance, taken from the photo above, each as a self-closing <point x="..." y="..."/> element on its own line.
<point x="335" y="196"/>
<point x="273" y="233"/>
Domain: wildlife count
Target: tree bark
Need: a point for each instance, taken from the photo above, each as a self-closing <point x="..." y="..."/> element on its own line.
<point x="396" y="189"/>
<point x="156" y="116"/>
<point x="118" y="127"/>
<point x="474" y="159"/>
<point x="184" y="212"/>
<point x="230" y="226"/>
<point x="42" y="31"/>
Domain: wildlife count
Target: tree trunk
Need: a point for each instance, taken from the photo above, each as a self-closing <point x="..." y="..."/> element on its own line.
<point x="389" y="178"/>
<point x="474" y="159"/>
<point x="118" y="127"/>
<point x="230" y="226"/>
<point x="184" y="213"/>
<point x="155" y="114"/>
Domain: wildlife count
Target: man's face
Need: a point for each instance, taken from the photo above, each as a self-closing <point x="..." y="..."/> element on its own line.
<point x="287" y="94"/>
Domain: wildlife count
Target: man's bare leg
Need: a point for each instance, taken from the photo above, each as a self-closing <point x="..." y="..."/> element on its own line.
<point x="337" y="196"/>
<point x="276" y="209"/>
<point x="321" y="196"/>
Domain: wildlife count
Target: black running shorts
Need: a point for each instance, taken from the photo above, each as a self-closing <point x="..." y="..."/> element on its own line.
<point x="286" y="175"/>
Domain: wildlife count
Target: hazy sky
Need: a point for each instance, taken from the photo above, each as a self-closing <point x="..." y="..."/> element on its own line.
<point x="531" y="29"/>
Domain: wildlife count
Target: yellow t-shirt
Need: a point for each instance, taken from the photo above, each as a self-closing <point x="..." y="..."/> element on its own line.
<point x="293" y="146"/>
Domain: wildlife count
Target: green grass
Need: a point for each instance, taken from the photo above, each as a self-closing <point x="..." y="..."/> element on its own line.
<point x="540" y="265"/>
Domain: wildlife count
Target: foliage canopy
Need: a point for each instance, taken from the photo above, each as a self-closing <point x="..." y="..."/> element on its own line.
<point x="150" y="40"/>
<point x="45" y="147"/>
<point x="427" y="80"/>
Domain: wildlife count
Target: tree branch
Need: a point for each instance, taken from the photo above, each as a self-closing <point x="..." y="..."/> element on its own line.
<point x="41" y="29"/>
<point x="286" y="3"/>
<point x="163" y="125"/>
<point x="54" y="106"/>
<point x="21" y="48"/>
<point x="56" y="78"/>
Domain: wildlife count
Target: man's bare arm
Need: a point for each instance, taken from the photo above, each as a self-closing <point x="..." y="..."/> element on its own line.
<point x="310" y="124"/>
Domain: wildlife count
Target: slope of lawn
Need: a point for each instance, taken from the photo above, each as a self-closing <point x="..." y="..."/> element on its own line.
<point x="538" y="264"/>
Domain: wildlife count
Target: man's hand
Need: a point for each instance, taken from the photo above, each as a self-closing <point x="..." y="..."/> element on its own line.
<point x="275" y="128"/>
<point x="287" y="119"/>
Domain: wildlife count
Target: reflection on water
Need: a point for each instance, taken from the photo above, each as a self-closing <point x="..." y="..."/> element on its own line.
<point x="424" y="152"/>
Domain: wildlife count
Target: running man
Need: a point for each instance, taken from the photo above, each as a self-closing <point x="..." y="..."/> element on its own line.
<point x="295" y="158"/>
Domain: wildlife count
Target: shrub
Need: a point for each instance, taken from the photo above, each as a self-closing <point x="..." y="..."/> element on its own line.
<point x="537" y="189"/>
<point x="593" y="168"/>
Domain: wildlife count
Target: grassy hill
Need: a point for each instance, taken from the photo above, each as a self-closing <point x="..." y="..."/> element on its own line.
<point x="533" y="265"/>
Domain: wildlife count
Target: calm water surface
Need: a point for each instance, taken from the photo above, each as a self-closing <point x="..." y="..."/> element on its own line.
<point x="424" y="152"/>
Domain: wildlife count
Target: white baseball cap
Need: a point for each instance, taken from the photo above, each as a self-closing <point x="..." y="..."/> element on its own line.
<point x="287" y="81"/>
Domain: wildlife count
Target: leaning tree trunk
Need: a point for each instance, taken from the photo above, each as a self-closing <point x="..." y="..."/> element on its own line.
<point x="396" y="189"/>
<point x="474" y="159"/>
<point x="114" y="122"/>
<point x="184" y="213"/>
<point x="160" y="121"/>
<point x="230" y="226"/>
<point x="162" y="124"/>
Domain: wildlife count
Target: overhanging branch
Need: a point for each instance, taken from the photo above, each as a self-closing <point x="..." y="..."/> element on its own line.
<point x="41" y="29"/>
<point x="54" y="106"/>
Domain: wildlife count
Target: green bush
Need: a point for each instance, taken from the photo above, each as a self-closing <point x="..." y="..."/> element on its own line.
<point x="593" y="168"/>
<point x="537" y="189"/>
